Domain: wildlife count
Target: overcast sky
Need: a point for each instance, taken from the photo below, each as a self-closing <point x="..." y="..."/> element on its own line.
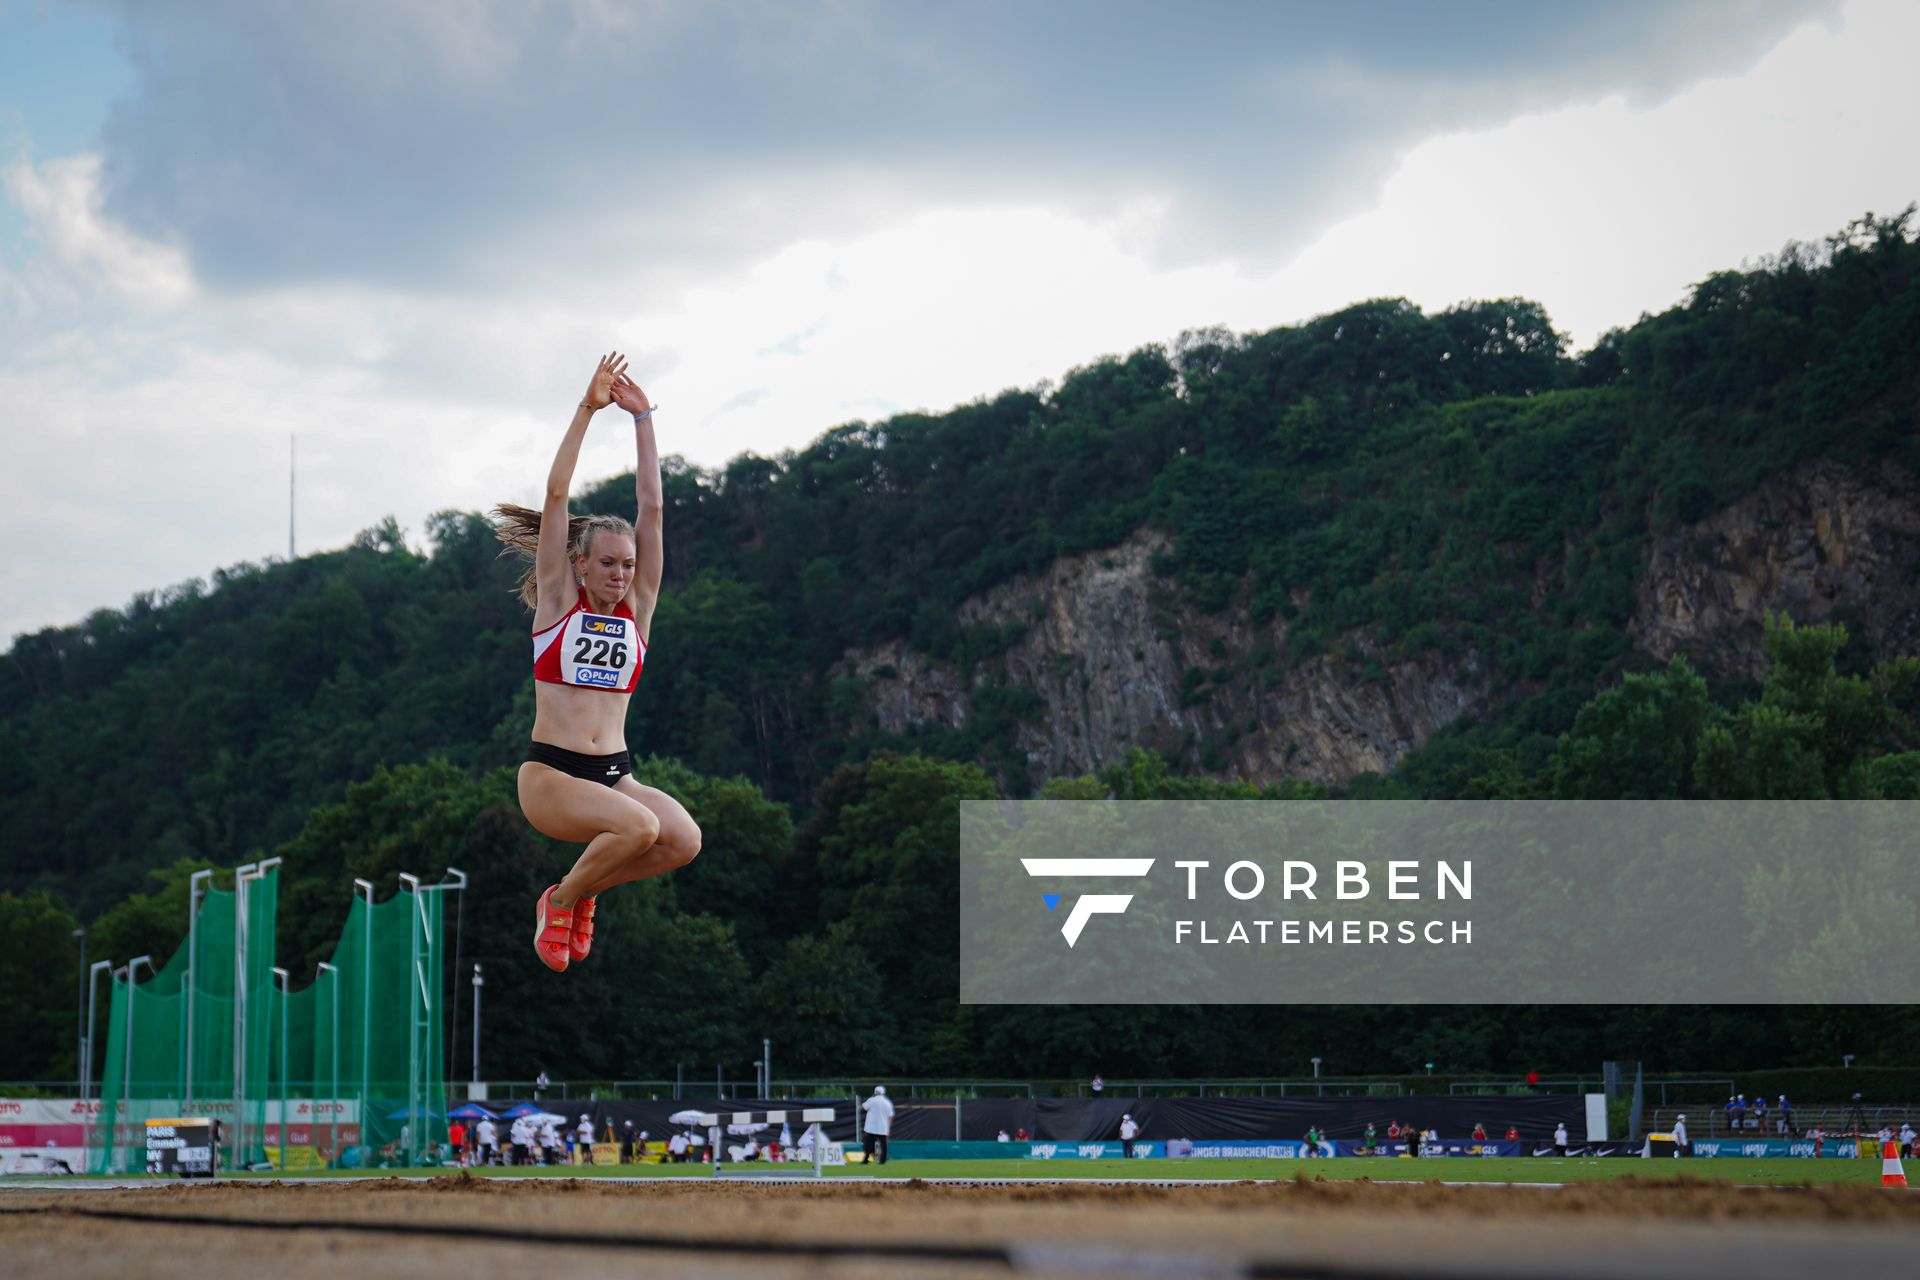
<point x="405" y="232"/>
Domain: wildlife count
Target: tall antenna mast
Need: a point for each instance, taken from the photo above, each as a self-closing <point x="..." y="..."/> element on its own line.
<point x="292" y="460"/>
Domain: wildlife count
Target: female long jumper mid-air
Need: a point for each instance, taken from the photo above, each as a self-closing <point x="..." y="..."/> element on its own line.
<point x="592" y="583"/>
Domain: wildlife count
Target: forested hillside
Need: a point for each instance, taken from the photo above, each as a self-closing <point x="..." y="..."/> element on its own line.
<point x="1386" y="483"/>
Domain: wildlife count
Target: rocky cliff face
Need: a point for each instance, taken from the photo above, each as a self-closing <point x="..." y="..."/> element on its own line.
<point x="1821" y="541"/>
<point x="1118" y="662"/>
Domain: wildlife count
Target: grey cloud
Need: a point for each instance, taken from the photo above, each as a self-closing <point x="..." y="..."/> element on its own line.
<point x="499" y="142"/>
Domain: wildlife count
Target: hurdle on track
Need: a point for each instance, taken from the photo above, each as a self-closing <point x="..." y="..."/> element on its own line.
<point x="716" y="1122"/>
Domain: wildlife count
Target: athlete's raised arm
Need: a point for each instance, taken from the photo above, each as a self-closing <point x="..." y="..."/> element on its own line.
<point x="552" y="569"/>
<point x="647" y="524"/>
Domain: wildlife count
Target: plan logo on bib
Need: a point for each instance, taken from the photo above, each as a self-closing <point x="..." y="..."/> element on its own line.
<point x="1087" y="905"/>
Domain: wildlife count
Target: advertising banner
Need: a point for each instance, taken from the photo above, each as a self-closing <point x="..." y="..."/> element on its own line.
<point x="1434" y="902"/>
<point x="1772" y="1148"/>
<point x="1089" y="1150"/>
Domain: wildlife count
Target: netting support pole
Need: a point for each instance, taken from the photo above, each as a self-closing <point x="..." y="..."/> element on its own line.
<point x="365" y="887"/>
<point x="193" y="956"/>
<point x="282" y="974"/>
<point x="333" y="1142"/>
<point x="87" y="1087"/>
<point x="243" y="878"/>
<point x="241" y="875"/>
<point x="416" y="922"/>
<point x="126" y="1093"/>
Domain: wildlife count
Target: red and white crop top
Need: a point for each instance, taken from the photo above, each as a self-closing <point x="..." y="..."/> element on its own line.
<point x="591" y="650"/>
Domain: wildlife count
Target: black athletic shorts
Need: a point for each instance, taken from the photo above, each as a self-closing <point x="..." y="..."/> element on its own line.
<point x="605" y="770"/>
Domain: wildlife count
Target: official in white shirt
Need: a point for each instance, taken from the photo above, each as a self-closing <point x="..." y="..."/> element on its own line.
<point x="1128" y="1132"/>
<point x="1680" y="1135"/>
<point x="878" y="1124"/>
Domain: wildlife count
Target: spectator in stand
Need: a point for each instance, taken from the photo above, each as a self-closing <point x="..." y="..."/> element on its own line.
<point x="1560" y="1139"/>
<point x="1533" y="1079"/>
<point x="457" y="1135"/>
<point x="1739" y="1111"/>
<point x="1786" y="1117"/>
<point x="1479" y="1132"/>
<point x="1128" y="1132"/>
<point x="1760" y="1113"/>
<point x="878" y="1122"/>
<point x="1003" y="1137"/>
<point x="1513" y="1133"/>
<point x="1021" y="1135"/>
<point x="1732" y="1126"/>
<point x="540" y="1086"/>
<point x="1393" y="1131"/>
<point x="1098" y="1086"/>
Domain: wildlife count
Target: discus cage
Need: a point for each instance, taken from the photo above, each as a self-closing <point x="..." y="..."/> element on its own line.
<point x="342" y="1071"/>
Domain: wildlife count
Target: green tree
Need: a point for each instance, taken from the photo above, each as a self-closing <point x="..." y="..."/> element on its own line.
<point x="1636" y="741"/>
<point x="886" y="844"/>
<point x="1813" y="734"/>
<point x="827" y="1007"/>
<point x="37" y="949"/>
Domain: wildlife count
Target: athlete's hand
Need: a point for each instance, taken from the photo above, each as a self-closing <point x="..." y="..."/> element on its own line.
<point x="600" y="390"/>
<point x="628" y="395"/>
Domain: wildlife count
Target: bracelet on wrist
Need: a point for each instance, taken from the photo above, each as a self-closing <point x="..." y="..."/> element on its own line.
<point x="639" y="418"/>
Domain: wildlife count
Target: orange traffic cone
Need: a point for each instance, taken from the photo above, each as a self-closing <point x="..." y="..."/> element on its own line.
<point x="1891" y="1174"/>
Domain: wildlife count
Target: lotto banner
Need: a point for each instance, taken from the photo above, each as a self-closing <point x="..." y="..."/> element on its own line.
<point x="1438" y="902"/>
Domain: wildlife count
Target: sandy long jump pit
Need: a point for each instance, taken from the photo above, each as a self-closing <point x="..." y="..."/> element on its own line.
<point x="479" y="1229"/>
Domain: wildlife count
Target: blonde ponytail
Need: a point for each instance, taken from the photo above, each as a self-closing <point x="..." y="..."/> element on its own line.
<point x="519" y="528"/>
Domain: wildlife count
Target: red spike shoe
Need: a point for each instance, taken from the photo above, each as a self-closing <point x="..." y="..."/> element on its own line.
<point x="582" y="941"/>
<point x="552" y="932"/>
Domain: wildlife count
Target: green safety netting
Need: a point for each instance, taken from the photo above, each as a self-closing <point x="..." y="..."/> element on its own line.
<point x="347" y="1067"/>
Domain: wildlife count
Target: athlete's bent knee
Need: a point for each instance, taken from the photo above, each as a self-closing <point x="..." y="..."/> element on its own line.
<point x="686" y="848"/>
<point x="643" y="829"/>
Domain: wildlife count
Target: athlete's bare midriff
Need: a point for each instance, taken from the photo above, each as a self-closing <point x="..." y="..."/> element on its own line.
<point x="590" y="721"/>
